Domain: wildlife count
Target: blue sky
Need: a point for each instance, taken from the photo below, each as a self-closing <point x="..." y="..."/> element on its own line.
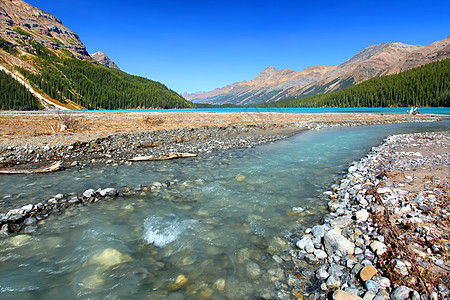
<point x="199" y="45"/>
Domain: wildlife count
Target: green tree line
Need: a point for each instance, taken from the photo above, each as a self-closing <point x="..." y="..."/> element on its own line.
<point x="94" y="86"/>
<point x="428" y="85"/>
<point x="14" y="96"/>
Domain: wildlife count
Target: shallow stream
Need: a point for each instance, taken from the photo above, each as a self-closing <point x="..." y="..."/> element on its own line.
<point x="210" y="235"/>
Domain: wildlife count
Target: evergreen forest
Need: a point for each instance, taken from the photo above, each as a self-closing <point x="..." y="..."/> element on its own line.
<point x="428" y="85"/>
<point x="93" y="86"/>
<point x="14" y="96"/>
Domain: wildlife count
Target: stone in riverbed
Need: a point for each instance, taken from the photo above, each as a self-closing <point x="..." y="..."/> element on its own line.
<point x="335" y="243"/>
<point x="372" y="286"/>
<point x="341" y="295"/>
<point x="89" y="193"/>
<point x="318" y="231"/>
<point x="341" y="222"/>
<point x="108" y="192"/>
<point x="108" y="258"/>
<point x="384" y="190"/>
<point x="305" y="242"/>
<point x="362" y="215"/>
<point x="368" y="272"/>
<point x="333" y="281"/>
<point x="404" y="293"/>
<point x="378" y="247"/>
<point x="253" y="269"/>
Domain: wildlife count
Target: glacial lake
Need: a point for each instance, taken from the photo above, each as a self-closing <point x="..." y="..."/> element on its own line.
<point x="211" y="234"/>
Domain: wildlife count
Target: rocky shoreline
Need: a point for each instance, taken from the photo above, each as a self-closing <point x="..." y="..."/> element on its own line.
<point x="356" y="250"/>
<point x="84" y="148"/>
<point x="387" y="234"/>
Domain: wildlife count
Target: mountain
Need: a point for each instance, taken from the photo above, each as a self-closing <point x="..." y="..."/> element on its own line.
<point x="427" y="85"/>
<point x="52" y="63"/>
<point x="374" y="61"/>
<point x="104" y="60"/>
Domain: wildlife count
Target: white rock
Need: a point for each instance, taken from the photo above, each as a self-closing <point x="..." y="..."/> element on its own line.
<point x="89" y="193"/>
<point x="384" y="190"/>
<point x="362" y="215"/>
<point x="320" y="254"/>
<point x="304" y="242"/>
<point x="27" y="208"/>
<point x="335" y="243"/>
<point x="108" y="192"/>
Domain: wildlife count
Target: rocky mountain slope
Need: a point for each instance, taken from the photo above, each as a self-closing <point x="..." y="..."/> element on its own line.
<point x="50" y="60"/>
<point x="104" y="60"/>
<point x="374" y="61"/>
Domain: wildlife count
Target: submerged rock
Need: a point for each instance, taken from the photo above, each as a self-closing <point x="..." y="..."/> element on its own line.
<point x="108" y="258"/>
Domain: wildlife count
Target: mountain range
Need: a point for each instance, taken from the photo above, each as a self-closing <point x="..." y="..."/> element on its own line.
<point x="49" y="59"/>
<point x="374" y="61"/>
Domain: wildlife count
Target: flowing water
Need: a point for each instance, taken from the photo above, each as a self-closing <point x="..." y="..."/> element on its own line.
<point x="210" y="235"/>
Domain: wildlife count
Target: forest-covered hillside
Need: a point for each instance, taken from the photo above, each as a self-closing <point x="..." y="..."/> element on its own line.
<point x="93" y="86"/>
<point x="14" y="96"/>
<point x="428" y="85"/>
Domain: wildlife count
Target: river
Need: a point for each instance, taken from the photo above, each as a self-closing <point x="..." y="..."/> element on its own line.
<point x="211" y="234"/>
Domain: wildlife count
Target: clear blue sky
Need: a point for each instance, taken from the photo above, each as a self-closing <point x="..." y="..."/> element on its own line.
<point x="199" y="45"/>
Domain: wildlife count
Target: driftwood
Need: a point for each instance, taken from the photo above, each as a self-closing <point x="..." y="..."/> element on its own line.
<point x="164" y="157"/>
<point x="56" y="166"/>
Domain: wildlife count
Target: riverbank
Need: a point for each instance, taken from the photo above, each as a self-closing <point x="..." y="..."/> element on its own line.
<point x="78" y="139"/>
<point x="387" y="234"/>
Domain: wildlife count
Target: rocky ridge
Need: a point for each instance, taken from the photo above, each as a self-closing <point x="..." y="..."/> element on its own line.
<point x="104" y="60"/>
<point x="21" y="22"/>
<point x="375" y="60"/>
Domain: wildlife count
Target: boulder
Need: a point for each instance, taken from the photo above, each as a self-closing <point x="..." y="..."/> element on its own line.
<point x="335" y="243"/>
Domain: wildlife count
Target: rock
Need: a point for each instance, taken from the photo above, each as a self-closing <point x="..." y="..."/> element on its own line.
<point x="5" y="230"/>
<point x="311" y="259"/>
<point x="89" y="193"/>
<point x="241" y="177"/>
<point x="341" y="222"/>
<point x="253" y="269"/>
<point x="74" y="200"/>
<point x="362" y="215"/>
<point x="304" y="242"/>
<point x="404" y="293"/>
<point x="108" y="192"/>
<point x="320" y="254"/>
<point x="322" y="273"/>
<point x="369" y="295"/>
<point x="108" y="258"/>
<point x="384" y="190"/>
<point x="335" y="243"/>
<point x="333" y="205"/>
<point x="378" y="247"/>
<point x="341" y="295"/>
<point x="30" y="221"/>
<point x="318" y="231"/>
<point x="27" y="208"/>
<point x="19" y="240"/>
<point x="220" y="284"/>
<point x="367" y="273"/>
<point x="333" y="282"/>
<point x="400" y="267"/>
<point x="372" y="286"/>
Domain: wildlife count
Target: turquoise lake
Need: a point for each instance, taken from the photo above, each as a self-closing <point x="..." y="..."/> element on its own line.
<point x="212" y="233"/>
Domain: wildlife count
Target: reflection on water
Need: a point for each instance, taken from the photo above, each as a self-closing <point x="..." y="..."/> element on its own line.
<point x="210" y="235"/>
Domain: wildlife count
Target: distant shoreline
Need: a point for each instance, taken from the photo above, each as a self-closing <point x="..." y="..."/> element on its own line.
<point x="86" y="138"/>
